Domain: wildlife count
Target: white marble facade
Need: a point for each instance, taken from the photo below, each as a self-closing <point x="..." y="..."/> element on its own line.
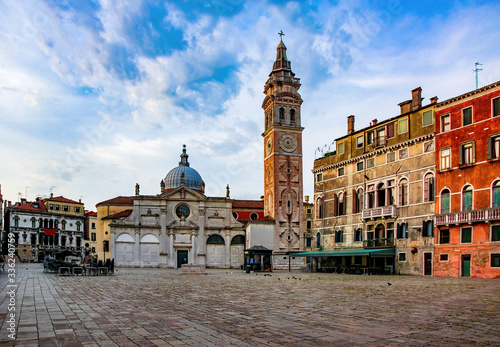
<point x="181" y="225"/>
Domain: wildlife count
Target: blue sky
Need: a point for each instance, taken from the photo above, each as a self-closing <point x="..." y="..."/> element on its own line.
<point x="96" y="96"/>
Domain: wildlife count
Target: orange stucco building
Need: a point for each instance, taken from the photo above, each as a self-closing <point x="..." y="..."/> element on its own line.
<point x="467" y="237"/>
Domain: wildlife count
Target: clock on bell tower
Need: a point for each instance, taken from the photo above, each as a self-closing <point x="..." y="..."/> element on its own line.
<point x="283" y="188"/>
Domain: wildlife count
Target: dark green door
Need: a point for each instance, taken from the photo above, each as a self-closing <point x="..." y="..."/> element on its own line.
<point x="427" y="264"/>
<point x="182" y="258"/>
<point x="466" y="265"/>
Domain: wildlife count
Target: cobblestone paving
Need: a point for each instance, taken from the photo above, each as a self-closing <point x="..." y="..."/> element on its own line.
<point x="159" y="307"/>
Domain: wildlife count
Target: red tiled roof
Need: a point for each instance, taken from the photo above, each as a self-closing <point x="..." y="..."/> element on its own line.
<point x="91" y="213"/>
<point x="63" y="199"/>
<point x="118" y="215"/>
<point x="248" y="204"/>
<point x="119" y="200"/>
<point x="29" y="207"/>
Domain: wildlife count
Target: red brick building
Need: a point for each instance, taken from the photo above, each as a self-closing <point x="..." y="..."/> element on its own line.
<point x="467" y="238"/>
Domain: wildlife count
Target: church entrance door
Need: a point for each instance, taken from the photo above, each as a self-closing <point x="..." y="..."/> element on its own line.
<point x="182" y="258"/>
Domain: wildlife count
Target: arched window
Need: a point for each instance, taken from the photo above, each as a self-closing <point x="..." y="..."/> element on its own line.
<point x="281" y="114"/>
<point x="215" y="240"/>
<point x="496" y="194"/>
<point x="467" y="198"/>
<point x="318" y="240"/>
<point x="40" y="223"/>
<point x="319" y="207"/>
<point x="16" y="221"/>
<point x="51" y="224"/>
<point x="403" y="192"/>
<point x="292" y="117"/>
<point x="33" y="222"/>
<point x="339" y="204"/>
<point x="238" y="240"/>
<point x="235" y="215"/>
<point x="63" y="225"/>
<point x="429" y="187"/>
<point x="381" y="195"/>
<point x="45" y="223"/>
<point x="78" y="224"/>
<point x="445" y="201"/>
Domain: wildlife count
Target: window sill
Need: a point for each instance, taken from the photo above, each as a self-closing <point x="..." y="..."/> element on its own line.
<point x="492" y="160"/>
<point x="465" y="166"/>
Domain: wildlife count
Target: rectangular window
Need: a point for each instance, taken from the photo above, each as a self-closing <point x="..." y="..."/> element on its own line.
<point x="308" y="225"/>
<point x="445" y="123"/>
<point x="93" y="249"/>
<point x="359" y="166"/>
<point x="93" y="237"/>
<point x="443" y="257"/>
<point x="402" y="257"/>
<point x="308" y="242"/>
<point x="391" y="157"/>
<point x="340" y="171"/>
<point x="77" y="209"/>
<point x="370" y="163"/>
<point x="428" y="228"/>
<point x="444" y="236"/>
<point x="369" y="138"/>
<point x="358" y="235"/>
<point x="495" y="233"/>
<point x="403" y="125"/>
<point x="445" y="159"/>
<point x="340" y="148"/>
<point x="428" y="146"/>
<point x="495" y="260"/>
<point x="65" y="208"/>
<point x="309" y="211"/>
<point x="494" y="147"/>
<point x="467" y="116"/>
<point x="466" y="235"/>
<point x="359" y="141"/>
<point x="496" y="107"/>
<point x="319" y="177"/>
<point x="390" y="130"/>
<point x="403" y="153"/>
<point x="466" y="154"/>
<point x="57" y="207"/>
<point x="93" y="226"/>
<point x="51" y="207"/>
<point x="427" y="118"/>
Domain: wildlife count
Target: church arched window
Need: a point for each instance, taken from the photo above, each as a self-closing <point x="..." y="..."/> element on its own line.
<point x="281" y="114"/>
<point x="215" y="240"/>
<point x="292" y="117"/>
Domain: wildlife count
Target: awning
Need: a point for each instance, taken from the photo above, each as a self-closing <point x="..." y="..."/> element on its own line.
<point x="378" y="252"/>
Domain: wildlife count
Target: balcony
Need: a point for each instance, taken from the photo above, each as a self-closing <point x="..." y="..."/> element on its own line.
<point x="467" y="217"/>
<point x="380" y="212"/>
<point x="378" y="243"/>
<point x="379" y="141"/>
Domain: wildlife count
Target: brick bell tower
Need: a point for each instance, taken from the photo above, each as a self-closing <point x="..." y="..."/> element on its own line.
<point x="283" y="188"/>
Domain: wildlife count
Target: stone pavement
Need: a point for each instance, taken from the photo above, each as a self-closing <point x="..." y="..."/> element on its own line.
<point x="160" y="307"/>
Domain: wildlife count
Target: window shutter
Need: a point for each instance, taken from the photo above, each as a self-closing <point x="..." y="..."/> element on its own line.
<point x="424" y="228"/>
<point x="490" y="148"/>
<point x="400" y="191"/>
<point x="473" y="151"/>
<point x="335" y="204"/>
<point x="431" y="222"/>
<point x="460" y="154"/>
<point x="344" y="206"/>
<point x="390" y="130"/>
<point x="398" y="230"/>
<point x="354" y="201"/>
<point x="426" y="190"/>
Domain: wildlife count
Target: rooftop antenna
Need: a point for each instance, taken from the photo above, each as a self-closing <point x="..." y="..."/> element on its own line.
<point x="476" y="70"/>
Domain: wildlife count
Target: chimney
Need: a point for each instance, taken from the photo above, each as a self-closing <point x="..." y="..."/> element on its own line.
<point x="350" y="124"/>
<point x="23" y="201"/>
<point x="416" y="98"/>
<point x="51" y="195"/>
<point x="434" y="100"/>
<point x="306" y="198"/>
<point x="405" y="106"/>
<point x="374" y="122"/>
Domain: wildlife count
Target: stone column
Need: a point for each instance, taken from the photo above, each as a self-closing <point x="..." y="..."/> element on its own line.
<point x="163" y="233"/>
<point x="227" y="256"/>
<point x="112" y="245"/>
<point x="202" y="246"/>
<point x="194" y="250"/>
<point x="171" y="254"/>
<point x="137" y="247"/>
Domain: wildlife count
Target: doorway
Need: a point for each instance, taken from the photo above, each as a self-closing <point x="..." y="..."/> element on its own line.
<point x="465" y="265"/>
<point x="182" y="258"/>
<point x="427" y="264"/>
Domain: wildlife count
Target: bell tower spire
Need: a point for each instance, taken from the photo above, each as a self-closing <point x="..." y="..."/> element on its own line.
<point x="283" y="186"/>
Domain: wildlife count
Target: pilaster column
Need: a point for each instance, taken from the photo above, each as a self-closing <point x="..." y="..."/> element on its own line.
<point x="163" y="234"/>
<point x="171" y="254"/>
<point x="137" y="247"/>
<point x="112" y="246"/>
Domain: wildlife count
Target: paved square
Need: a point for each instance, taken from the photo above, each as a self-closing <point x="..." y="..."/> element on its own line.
<point x="160" y="307"/>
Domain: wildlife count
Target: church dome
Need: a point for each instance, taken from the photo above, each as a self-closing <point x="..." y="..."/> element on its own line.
<point x="183" y="175"/>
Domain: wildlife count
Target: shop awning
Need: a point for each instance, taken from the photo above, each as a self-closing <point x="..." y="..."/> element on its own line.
<point x="377" y="252"/>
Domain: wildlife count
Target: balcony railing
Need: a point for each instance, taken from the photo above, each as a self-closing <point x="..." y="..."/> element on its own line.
<point x="467" y="217"/>
<point x="378" y="243"/>
<point x="377" y="212"/>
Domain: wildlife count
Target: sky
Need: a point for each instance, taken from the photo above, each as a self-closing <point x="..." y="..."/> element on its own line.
<point x="96" y="96"/>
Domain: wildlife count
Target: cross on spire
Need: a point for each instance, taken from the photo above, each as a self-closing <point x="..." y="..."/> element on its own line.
<point x="281" y="34"/>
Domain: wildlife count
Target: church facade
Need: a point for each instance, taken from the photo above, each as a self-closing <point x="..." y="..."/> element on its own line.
<point x="179" y="226"/>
